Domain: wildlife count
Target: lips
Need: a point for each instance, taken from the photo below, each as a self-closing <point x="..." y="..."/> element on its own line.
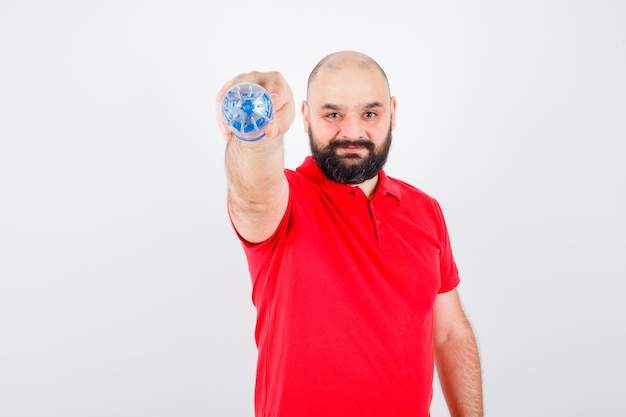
<point x="351" y="144"/>
<point x="352" y="148"/>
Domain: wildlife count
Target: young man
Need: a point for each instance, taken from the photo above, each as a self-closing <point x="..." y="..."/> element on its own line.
<point x="353" y="276"/>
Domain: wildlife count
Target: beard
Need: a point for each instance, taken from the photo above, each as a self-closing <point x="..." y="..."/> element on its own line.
<point x="351" y="169"/>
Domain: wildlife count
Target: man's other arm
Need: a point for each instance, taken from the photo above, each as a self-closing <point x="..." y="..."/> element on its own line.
<point x="457" y="358"/>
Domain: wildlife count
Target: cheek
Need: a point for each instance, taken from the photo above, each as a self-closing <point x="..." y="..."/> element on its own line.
<point x="378" y="132"/>
<point x="324" y="132"/>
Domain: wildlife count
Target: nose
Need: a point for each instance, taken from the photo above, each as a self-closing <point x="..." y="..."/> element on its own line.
<point x="352" y="128"/>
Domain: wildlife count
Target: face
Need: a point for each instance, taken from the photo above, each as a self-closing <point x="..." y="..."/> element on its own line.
<point x="349" y="116"/>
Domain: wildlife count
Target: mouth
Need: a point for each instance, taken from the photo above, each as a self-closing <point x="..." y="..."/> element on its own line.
<point x="351" y="148"/>
<point x="350" y="153"/>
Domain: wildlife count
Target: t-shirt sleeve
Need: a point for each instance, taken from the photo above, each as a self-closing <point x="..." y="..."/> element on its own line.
<point x="259" y="254"/>
<point x="447" y="265"/>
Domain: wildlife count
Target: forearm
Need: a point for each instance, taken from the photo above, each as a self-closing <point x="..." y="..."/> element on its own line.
<point x="257" y="187"/>
<point x="255" y="170"/>
<point x="459" y="371"/>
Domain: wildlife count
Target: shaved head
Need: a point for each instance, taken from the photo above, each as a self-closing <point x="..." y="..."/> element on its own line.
<point x="343" y="60"/>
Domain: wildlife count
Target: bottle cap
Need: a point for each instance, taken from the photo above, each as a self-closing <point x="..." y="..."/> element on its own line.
<point x="248" y="110"/>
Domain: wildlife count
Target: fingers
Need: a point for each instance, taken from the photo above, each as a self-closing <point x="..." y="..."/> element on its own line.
<point x="284" y="113"/>
<point x="283" y="102"/>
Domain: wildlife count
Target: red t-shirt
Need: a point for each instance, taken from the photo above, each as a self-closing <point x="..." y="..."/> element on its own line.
<point x="344" y="291"/>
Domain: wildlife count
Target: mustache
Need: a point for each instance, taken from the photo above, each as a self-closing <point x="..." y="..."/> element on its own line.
<point x="346" y="143"/>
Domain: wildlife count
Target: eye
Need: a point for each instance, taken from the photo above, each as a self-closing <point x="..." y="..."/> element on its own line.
<point x="369" y="114"/>
<point x="332" y="116"/>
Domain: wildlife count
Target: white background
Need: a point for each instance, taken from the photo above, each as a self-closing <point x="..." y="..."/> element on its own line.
<point x="123" y="290"/>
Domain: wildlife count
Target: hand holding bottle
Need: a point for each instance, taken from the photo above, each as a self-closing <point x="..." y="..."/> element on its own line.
<point x="255" y="105"/>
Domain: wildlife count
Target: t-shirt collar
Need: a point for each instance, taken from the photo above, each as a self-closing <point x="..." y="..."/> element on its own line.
<point x="310" y="170"/>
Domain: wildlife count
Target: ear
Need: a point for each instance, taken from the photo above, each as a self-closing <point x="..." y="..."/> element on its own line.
<point x="392" y="109"/>
<point x="304" y="108"/>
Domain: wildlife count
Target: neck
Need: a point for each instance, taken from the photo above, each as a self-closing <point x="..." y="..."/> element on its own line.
<point x="369" y="186"/>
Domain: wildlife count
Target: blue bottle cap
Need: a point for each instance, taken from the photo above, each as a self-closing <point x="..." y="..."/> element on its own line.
<point x="248" y="110"/>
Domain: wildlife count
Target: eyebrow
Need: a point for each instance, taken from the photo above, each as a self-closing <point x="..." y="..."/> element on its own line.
<point x="367" y="106"/>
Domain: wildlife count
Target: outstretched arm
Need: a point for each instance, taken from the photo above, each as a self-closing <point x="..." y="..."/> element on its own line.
<point x="457" y="358"/>
<point x="258" y="191"/>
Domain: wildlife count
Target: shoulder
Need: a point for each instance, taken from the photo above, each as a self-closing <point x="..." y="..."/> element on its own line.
<point x="298" y="183"/>
<point x="417" y="203"/>
<point x="409" y="191"/>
